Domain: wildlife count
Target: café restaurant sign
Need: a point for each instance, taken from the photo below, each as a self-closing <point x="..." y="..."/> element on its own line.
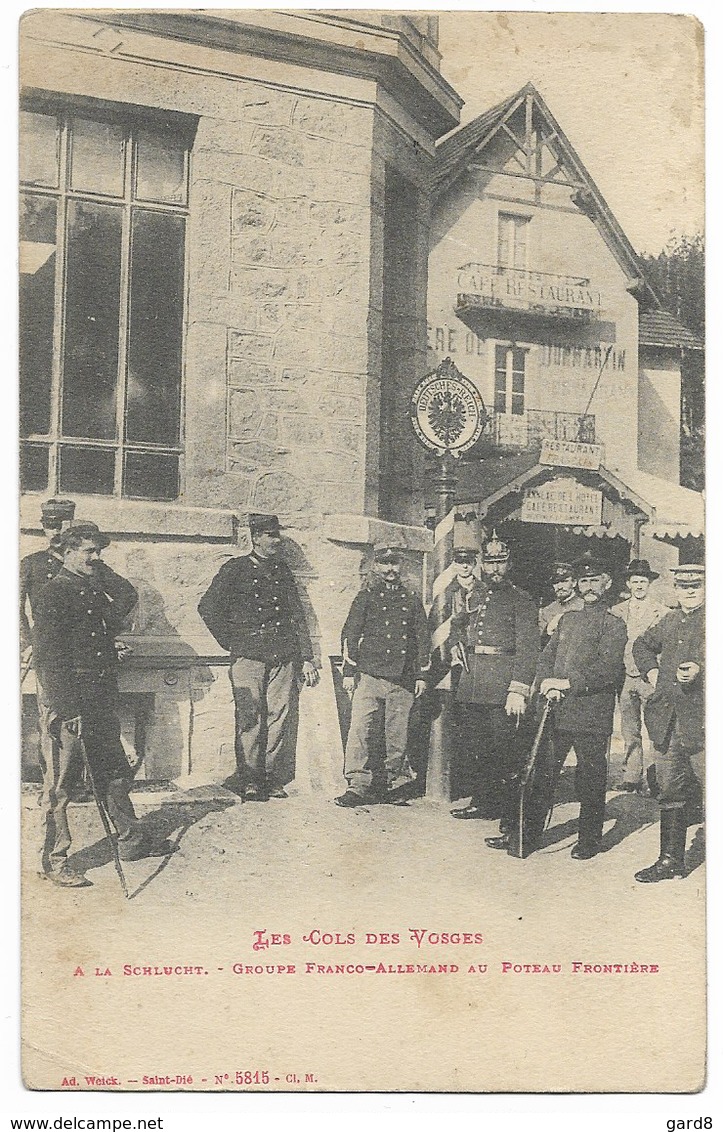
<point x="562" y="501"/>
<point x="529" y="290"/>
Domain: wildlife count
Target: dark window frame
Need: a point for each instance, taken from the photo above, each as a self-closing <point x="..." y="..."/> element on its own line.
<point x="180" y="129"/>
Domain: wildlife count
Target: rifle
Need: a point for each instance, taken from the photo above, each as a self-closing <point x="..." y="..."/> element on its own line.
<point x="527" y="776"/>
<point x="104" y="816"/>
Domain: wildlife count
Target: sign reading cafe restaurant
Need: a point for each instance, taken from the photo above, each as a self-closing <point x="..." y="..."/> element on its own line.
<point x="488" y="285"/>
<point x="563" y="501"/>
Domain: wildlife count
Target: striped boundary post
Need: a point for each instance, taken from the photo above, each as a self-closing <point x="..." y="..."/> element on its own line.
<point x="440" y="752"/>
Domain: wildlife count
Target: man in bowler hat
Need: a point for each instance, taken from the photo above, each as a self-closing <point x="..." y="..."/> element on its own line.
<point x="641" y="610"/>
<point x="254" y="611"/>
<point x="671" y="658"/>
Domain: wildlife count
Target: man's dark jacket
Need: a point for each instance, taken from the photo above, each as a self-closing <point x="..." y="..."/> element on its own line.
<point x="253" y="610"/>
<point x="678" y="638"/>
<point x="499" y="617"/>
<point x="587" y="648"/>
<point x="76" y="622"/>
<point x="36" y="570"/>
<point x="386" y="635"/>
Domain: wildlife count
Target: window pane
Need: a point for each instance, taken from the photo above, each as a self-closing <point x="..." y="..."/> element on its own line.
<point x="90" y="370"/>
<point x="518" y="382"/>
<point x="518" y="404"/>
<point x="153" y="402"/>
<point x="97" y="157"/>
<point x="500" y="402"/>
<point x="37" y="303"/>
<point x="39" y="148"/>
<point x="150" y="475"/>
<point x="161" y="167"/>
<point x="33" y="467"/>
<point x="88" y="471"/>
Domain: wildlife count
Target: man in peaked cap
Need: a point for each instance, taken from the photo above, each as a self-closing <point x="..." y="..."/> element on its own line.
<point x="38" y="568"/>
<point x="254" y="611"/>
<point x="580" y="672"/>
<point x="494" y="640"/>
<point x="77" y="616"/>
<point x="671" y="658"/>
<point x="386" y="647"/>
<point x="566" y="598"/>
<point x="639" y="611"/>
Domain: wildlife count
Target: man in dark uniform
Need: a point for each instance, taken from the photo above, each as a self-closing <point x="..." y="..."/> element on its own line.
<point x="671" y="657"/>
<point x="494" y="639"/>
<point x="36" y="570"/>
<point x="386" y="646"/>
<point x="581" y="670"/>
<point x="77" y="616"/>
<point x="566" y="598"/>
<point x="254" y="611"/>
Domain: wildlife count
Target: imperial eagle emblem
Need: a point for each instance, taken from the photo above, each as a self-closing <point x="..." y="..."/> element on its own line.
<point x="447" y="416"/>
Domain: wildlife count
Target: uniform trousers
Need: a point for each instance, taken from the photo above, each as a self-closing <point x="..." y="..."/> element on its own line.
<point x="590" y="782"/>
<point x="378" y="706"/>
<point x="492" y="743"/>
<point x="112" y="775"/>
<point x="677" y="770"/>
<point x="633" y="697"/>
<point x="266" y="699"/>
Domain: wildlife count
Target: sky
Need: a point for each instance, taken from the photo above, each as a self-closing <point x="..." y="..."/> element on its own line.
<point x="627" y="89"/>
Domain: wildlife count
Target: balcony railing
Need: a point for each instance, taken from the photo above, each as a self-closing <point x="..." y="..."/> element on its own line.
<point x="484" y="286"/>
<point x="529" y="429"/>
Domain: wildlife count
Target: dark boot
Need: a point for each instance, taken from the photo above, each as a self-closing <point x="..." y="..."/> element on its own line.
<point x="671" y="862"/>
<point x="589" y="831"/>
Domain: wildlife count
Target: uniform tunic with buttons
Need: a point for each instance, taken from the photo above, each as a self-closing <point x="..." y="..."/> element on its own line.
<point x="502" y="618"/>
<point x="253" y="610"/>
<point x="36" y="570"/>
<point x="386" y="635"/>
<point x="677" y="639"/>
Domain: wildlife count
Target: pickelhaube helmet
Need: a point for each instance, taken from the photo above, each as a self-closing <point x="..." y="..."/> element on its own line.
<point x="495" y="550"/>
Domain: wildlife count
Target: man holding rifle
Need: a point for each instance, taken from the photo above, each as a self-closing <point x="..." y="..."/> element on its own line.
<point x="77" y="616"/>
<point x="580" y="672"/>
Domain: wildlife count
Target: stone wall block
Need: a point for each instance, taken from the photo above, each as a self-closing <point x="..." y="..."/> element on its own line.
<point x="330" y="214"/>
<point x="346" y="437"/>
<point x="295" y="249"/>
<point x="244" y="414"/>
<point x="305" y="316"/>
<point x="244" y="345"/>
<point x="345" y="353"/>
<point x="301" y="347"/>
<point x="251" y="211"/>
<point x="244" y="373"/>
<point x="270" y="430"/>
<point x="305" y="431"/>
<point x="250" y="248"/>
<point x="278" y="144"/>
<point x="348" y="186"/>
<point x="254" y="453"/>
<point x="349" y="283"/>
<point x="338" y="405"/>
<point x="265" y="105"/>
<point x="293" y="213"/>
<point x="280" y="493"/>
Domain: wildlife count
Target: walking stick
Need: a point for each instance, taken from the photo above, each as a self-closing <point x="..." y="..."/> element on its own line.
<point x="105" y="819"/>
<point x="527" y="776"/>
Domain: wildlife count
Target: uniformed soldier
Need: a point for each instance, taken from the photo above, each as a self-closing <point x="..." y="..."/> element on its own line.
<point x="386" y="648"/>
<point x="671" y="657"/>
<point x="494" y="640"/>
<point x="566" y="598"/>
<point x="580" y="671"/>
<point x="77" y="616"/>
<point x="254" y="611"/>
<point x="36" y="570"/>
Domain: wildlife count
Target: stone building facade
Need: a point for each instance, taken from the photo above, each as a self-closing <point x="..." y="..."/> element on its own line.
<point x="256" y="187"/>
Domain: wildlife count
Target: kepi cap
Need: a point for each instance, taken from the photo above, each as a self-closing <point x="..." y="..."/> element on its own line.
<point x="263" y="524"/>
<point x="55" y="512"/>
<point x="465" y="554"/>
<point x="562" y="570"/>
<point x="85" y="529"/>
<point x="590" y="566"/>
<point x="386" y="550"/>
<point x="689" y="575"/>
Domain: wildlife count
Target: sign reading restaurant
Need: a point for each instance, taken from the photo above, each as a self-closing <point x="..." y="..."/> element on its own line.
<point x="571" y="454"/>
<point x="563" y="501"/>
<point x="491" y="287"/>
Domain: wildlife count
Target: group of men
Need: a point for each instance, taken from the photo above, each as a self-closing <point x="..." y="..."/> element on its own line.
<point x="506" y="660"/>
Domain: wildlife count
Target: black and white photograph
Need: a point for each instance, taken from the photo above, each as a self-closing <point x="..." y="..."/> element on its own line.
<point x="362" y="551"/>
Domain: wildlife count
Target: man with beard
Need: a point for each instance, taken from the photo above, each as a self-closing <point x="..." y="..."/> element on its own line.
<point x="671" y="658"/>
<point x="494" y="639"/>
<point x="386" y="646"/>
<point x="580" y="672"/>
<point x="566" y="598"/>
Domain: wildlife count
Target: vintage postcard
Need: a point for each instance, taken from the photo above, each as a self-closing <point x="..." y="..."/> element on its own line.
<point x="362" y="558"/>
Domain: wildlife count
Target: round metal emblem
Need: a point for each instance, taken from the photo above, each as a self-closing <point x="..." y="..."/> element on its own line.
<point x="448" y="413"/>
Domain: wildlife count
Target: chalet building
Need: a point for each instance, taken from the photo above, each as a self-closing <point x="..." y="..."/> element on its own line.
<point x="537" y="296"/>
<point x="224" y="241"/>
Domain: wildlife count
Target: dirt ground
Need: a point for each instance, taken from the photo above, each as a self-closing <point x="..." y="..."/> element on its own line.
<point x="97" y="999"/>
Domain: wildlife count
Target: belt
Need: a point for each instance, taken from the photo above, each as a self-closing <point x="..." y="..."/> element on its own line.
<point x="492" y="650"/>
